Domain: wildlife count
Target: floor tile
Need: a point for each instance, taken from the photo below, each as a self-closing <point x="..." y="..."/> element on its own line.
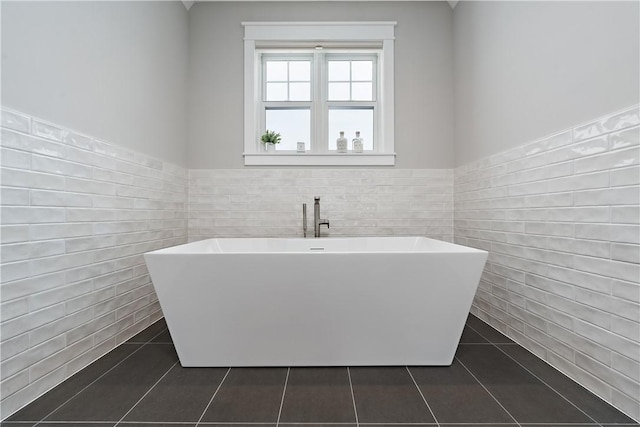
<point x="17" y="423"/>
<point x="163" y="337"/>
<point x="321" y="395"/>
<point x="318" y="425"/>
<point x="387" y="395"/>
<point x="520" y="393"/>
<point x="182" y="395"/>
<point x="595" y="407"/>
<point x="469" y="336"/>
<point x="248" y="395"/>
<point x="114" y="394"/>
<point x="50" y="401"/>
<point x="561" y="425"/>
<point x="77" y="424"/>
<point x="202" y="423"/>
<point x="135" y="424"/>
<point x="150" y="332"/>
<point x="488" y="425"/>
<point x="398" y="425"/>
<point x="456" y="397"/>
<point x="486" y="331"/>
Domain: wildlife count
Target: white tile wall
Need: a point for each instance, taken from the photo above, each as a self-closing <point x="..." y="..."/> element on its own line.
<point x="77" y="214"/>
<point x="357" y="202"/>
<point x="560" y="219"/>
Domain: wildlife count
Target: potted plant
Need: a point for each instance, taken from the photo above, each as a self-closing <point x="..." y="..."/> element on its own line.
<point x="270" y="138"/>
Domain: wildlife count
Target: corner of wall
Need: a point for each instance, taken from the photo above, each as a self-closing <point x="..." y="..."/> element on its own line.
<point x="77" y="216"/>
<point x="560" y="219"/>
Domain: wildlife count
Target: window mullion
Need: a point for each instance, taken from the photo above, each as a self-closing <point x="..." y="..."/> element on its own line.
<point x="350" y="80"/>
<point x="380" y="110"/>
<point x="320" y="125"/>
<point x="288" y="83"/>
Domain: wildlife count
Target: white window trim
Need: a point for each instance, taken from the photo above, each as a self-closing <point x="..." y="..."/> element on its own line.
<point x="264" y="34"/>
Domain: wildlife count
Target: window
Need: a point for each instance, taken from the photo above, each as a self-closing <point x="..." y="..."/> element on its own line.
<point x="352" y="98"/>
<point x="286" y="105"/>
<point x="309" y="91"/>
<point x="312" y="96"/>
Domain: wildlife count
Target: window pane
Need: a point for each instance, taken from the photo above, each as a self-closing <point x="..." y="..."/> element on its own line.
<point x="350" y="121"/>
<point x="293" y="125"/>
<point x="299" y="92"/>
<point x="300" y="71"/>
<point x="276" y="92"/>
<point x="339" y="92"/>
<point x="362" y="71"/>
<point x="339" y="71"/>
<point x="361" y="91"/>
<point x="276" y="71"/>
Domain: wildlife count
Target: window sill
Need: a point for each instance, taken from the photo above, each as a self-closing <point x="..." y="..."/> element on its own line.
<point x="313" y="159"/>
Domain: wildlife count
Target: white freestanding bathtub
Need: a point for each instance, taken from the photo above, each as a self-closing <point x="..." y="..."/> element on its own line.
<point x="316" y="302"/>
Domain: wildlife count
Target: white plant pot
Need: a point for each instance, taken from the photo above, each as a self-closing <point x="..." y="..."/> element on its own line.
<point x="270" y="148"/>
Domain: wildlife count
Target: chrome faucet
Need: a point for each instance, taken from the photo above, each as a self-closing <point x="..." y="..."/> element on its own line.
<point x="304" y="220"/>
<point x="317" y="222"/>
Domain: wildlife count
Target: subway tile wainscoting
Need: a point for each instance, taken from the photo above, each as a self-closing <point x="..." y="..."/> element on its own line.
<point x="559" y="216"/>
<point x="560" y="219"/>
<point x="77" y="215"/>
<point x="357" y="202"/>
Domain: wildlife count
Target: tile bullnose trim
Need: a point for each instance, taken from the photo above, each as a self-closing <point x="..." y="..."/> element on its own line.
<point x="47" y="130"/>
<point x="620" y="120"/>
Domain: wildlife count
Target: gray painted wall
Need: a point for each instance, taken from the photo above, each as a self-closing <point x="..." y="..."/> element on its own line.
<point x="114" y="70"/>
<point x="522" y="70"/>
<point x="423" y="67"/>
<point x="527" y="69"/>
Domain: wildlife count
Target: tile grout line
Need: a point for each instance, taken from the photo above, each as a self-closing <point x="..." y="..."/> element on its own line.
<point x="239" y="423"/>
<point x="353" y="397"/>
<point x="148" y="391"/>
<point x="485" y="343"/>
<point x="212" y="397"/>
<point x="97" y="379"/>
<point x="66" y="423"/>
<point x="284" y="390"/>
<point x="487" y="390"/>
<point x="151" y="343"/>
<point x="537" y="377"/>
<point x="422" y="395"/>
<point x="314" y="424"/>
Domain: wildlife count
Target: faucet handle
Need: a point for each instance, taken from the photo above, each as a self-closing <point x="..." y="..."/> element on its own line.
<point x="317" y="199"/>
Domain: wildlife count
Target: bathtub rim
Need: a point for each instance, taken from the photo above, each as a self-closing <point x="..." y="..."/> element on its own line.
<point x="205" y="246"/>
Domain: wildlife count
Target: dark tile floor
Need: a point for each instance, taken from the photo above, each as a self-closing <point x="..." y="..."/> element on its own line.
<point x="492" y="382"/>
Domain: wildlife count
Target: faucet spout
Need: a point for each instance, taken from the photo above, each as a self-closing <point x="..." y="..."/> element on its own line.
<point x="317" y="221"/>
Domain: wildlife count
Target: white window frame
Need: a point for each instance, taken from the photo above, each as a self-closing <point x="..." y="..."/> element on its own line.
<point x="327" y="34"/>
<point x="264" y="104"/>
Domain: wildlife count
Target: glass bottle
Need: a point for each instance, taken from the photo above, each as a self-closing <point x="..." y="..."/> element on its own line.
<point x="357" y="143"/>
<point x="341" y="143"/>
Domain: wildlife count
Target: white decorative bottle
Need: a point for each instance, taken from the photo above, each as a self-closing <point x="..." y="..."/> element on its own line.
<point x="357" y="143"/>
<point x="341" y="143"/>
